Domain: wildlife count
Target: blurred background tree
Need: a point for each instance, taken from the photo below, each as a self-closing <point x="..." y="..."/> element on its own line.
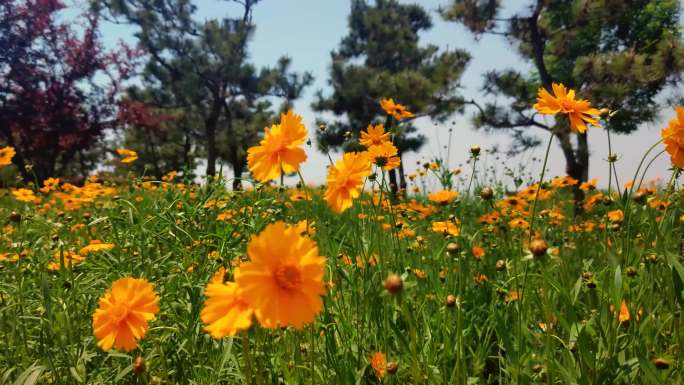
<point x="201" y="70"/>
<point x="381" y="58"/>
<point x="58" y="89"/>
<point x="618" y="54"/>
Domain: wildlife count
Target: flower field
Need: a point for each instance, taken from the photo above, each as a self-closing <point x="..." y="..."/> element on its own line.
<point x="172" y="282"/>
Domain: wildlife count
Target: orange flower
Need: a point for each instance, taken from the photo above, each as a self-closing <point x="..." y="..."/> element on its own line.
<point x="96" y="246"/>
<point x="478" y="252"/>
<point x="378" y="362"/>
<point x="384" y="155"/>
<point x="563" y="101"/>
<point x="283" y="281"/>
<point x="443" y="197"/>
<point x="129" y="156"/>
<point x="398" y="111"/>
<point x="345" y="180"/>
<point x="123" y="313"/>
<point x="673" y="138"/>
<point x="518" y="223"/>
<point x="591" y="185"/>
<point x="374" y="135"/>
<point x="6" y="155"/>
<point x="446" y="228"/>
<point x="49" y="184"/>
<point x="70" y="258"/>
<point x="279" y="151"/>
<point x="565" y="181"/>
<point x="225" y="311"/>
<point x="25" y="195"/>
<point x="616" y="216"/>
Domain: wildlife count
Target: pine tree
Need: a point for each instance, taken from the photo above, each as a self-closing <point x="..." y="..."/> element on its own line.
<point x="380" y="58"/>
<point x="618" y="54"/>
<point x="202" y="68"/>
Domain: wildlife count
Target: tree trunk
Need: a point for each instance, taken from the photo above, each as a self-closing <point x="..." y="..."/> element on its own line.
<point x="402" y="176"/>
<point x="576" y="164"/>
<point x="238" y="169"/>
<point x="394" y="188"/>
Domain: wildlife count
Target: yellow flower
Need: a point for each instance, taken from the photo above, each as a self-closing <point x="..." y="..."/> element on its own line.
<point x="70" y="258"/>
<point x="563" y="101"/>
<point x="225" y="312"/>
<point x="96" y="246"/>
<point x="128" y="156"/>
<point x="25" y="195"/>
<point x="518" y="223"/>
<point x="398" y="111"/>
<point x="374" y="135"/>
<point x="123" y="313"/>
<point x="6" y="155"/>
<point x="673" y="138"/>
<point x="49" y="184"/>
<point x="616" y="216"/>
<point x="279" y="151"/>
<point x="384" y="155"/>
<point x="591" y="185"/>
<point x="345" y="180"/>
<point x="446" y="228"/>
<point x="443" y="197"/>
<point x="283" y="281"/>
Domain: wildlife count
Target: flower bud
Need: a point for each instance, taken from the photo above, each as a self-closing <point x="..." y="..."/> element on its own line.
<point x="538" y="247"/>
<point x="487" y="193"/>
<point x="393" y="284"/>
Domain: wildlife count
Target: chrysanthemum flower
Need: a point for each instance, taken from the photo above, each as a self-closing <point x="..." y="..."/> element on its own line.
<point x="128" y="156"/>
<point x="225" y="312"/>
<point x="673" y="137"/>
<point x="283" y="281"/>
<point x="345" y="180"/>
<point x="446" y="228"/>
<point x="96" y="246"/>
<point x="374" y="135"/>
<point x="563" y="101"/>
<point x="398" y="111"/>
<point x="6" y="155"/>
<point x="123" y="313"/>
<point x="25" y="195"/>
<point x="70" y="258"/>
<point x="384" y="155"/>
<point x="616" y="216"/>
<point x="279" y="151"/>
<point x="590" y="185"/>
<point x="49" y="184"/>
<point x="443" y="196"/>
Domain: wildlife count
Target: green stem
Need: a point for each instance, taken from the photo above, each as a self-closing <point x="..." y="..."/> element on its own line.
<point x="539" y="185"/>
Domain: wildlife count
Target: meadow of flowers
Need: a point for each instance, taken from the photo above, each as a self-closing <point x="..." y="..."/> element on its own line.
<point x="172" y="282"/>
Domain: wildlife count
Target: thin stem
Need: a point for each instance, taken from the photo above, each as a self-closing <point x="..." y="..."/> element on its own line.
<point x="541" y="180"/>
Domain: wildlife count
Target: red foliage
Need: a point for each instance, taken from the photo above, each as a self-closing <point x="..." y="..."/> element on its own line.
<point x="57" y="87"/>
<point x="140" y="114"/>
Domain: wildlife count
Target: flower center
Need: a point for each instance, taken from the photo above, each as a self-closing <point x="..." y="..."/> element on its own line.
<point x="288" y="277"/>
<point x="381" y="161"/>
<point x="119" y="312"/>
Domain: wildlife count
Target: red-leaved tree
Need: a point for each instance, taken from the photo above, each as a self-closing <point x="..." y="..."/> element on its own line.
<point x="58" y="86"/>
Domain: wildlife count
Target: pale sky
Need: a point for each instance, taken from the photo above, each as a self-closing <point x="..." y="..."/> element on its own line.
<point x="307" y="30"/>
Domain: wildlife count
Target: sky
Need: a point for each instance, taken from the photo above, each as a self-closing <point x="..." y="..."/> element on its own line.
<point x="307" y="30"/>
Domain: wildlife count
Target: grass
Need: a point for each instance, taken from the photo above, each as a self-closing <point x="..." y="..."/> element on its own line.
<point x="507" y="317"/>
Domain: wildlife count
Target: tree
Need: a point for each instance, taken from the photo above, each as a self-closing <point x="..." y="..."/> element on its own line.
<point x="52" y="107"/>
<point x="618" y="54"/>
<point x="202" y="67"/>
<point x="380" y="57"/>
<point x="158" y="136"/>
